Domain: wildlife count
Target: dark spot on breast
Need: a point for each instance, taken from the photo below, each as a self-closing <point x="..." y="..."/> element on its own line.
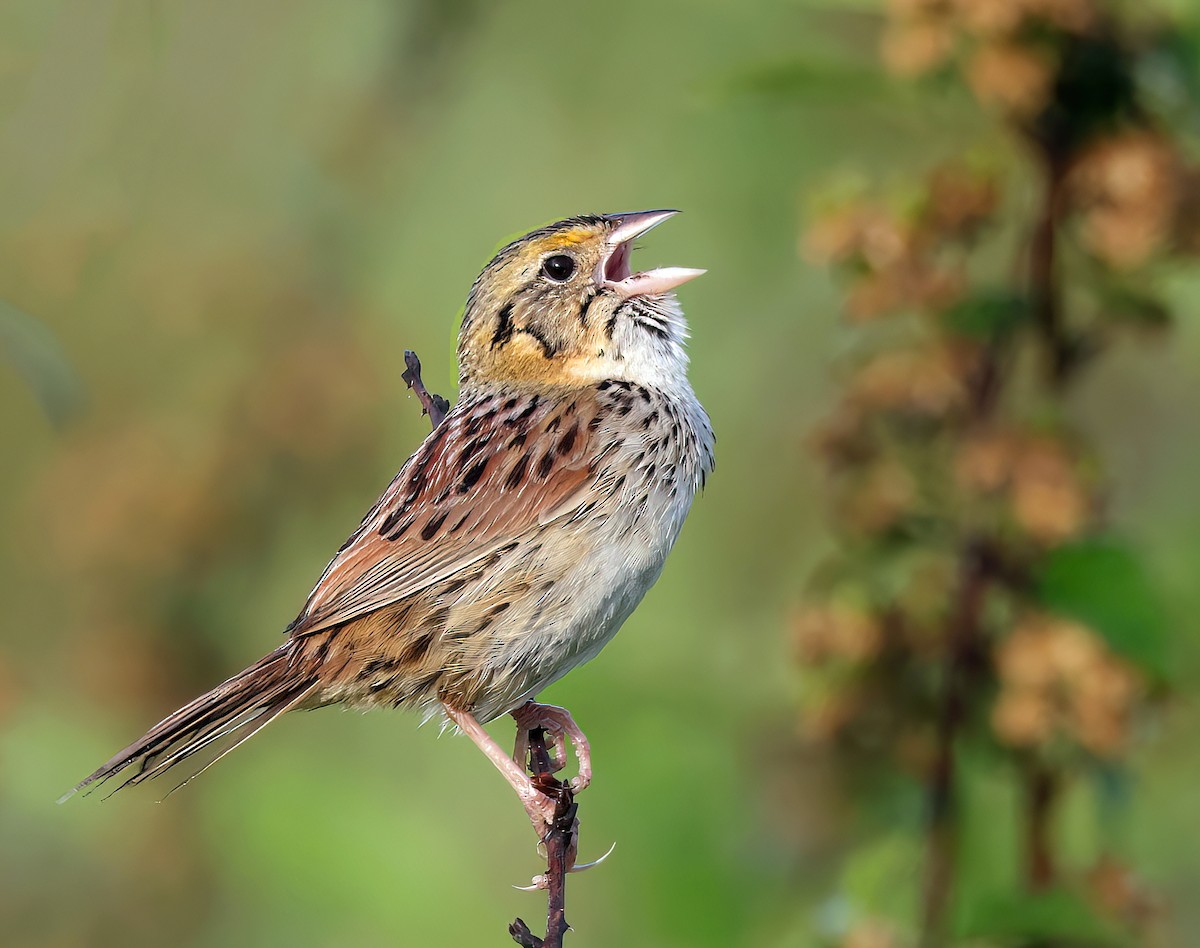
<point x="499" y="554"/>
<point x="454" y="529"/>
<point x="546" y="464"/>
<point x="553" y="424"/>
<point x="417" y="649"/>
<point x="324" y="646"/>
<point x="434" y="524"/>
<point x="491" y="615"/>
<point x="510" y="404"/>
<point x="604" y="386"/>
<point x="649" y="420"/>
<point x="517" y="474"/>
<point x="528" y="410"/>
<point x="419" y="687"/>
<point x="568" y="439"/>
<point x="392" y="528"/>
<point x="453" y="586"/>
<point x="471" y="478"/>
<point x="375" y="666"/>
<point x="518" y="440"/>
<point x="473" y="448"/>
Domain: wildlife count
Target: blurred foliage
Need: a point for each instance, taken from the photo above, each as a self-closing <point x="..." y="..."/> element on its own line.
<point x="226" y="221"/>
<point x="33" y="352"/>
<point x="979" y="610"/>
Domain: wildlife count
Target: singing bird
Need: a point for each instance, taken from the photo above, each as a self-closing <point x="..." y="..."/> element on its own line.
<point x="518" y="537"/>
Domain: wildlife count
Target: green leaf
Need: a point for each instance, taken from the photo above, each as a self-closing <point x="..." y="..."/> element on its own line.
<point x="29" y="346"/>
<point x="1137" y="309"/>
<point x="809" y="79"/>
<point x="986" y="315"/>
<point x="1103" y="584"/>
<point x="1054" y="914"/>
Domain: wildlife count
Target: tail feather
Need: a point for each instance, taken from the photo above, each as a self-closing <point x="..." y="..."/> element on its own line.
<point x="220" y="720"/>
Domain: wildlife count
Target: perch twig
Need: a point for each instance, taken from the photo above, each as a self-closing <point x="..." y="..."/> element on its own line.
<point x="435" y="406"/>
<point x="560" y="841"/>
<point x="559" y="844"/>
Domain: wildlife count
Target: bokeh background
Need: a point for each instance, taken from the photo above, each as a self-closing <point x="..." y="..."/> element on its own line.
<point x="220" y="226"/>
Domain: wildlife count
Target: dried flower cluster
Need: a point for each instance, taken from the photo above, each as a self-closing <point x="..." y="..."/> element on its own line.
<point x="957" y="477"/>
<point x="1130" y="184"/>
<point x="1059" y="680"/>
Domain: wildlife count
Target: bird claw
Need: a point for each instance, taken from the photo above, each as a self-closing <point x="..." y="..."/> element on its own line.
<point x="595" y="862"/>
<point x="540" y="881"/>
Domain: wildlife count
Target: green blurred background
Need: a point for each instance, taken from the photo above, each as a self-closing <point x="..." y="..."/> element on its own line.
<point x="220" y="226"/>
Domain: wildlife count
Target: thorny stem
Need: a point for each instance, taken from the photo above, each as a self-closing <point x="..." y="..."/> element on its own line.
<point x="941" y="800"/>
<point x="558" y="843"/>
<point x="1045" y="296"/>
<point x="1061" y="363"/>
<point x="977" y="566"/>
<point x="560" y="839"/>
<point x="977" y="572"/>
<point x="1041" y="788"/>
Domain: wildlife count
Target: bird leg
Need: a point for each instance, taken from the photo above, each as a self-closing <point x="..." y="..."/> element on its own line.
<point x="538" y="805"/>
<point x="558" y="723"/>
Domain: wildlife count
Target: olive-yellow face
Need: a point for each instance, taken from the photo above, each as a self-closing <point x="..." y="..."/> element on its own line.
<point x="560" y="306"/>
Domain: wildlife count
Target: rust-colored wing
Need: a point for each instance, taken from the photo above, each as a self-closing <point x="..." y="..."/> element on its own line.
<point x="491" y="472"/>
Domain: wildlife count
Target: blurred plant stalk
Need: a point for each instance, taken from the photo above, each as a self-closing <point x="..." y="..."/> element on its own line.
<point x="968" y="610"/>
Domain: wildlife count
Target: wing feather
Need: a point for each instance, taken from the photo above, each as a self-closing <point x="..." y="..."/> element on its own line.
<point x="494" y="470"/>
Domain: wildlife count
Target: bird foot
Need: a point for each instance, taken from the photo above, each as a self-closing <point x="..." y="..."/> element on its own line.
<point x="558" y="725"/>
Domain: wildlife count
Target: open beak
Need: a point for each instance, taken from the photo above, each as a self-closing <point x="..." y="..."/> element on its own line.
<point x="613" y="271"/>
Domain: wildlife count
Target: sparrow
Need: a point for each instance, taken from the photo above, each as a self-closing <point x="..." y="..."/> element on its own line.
<point x="518" y="537"/>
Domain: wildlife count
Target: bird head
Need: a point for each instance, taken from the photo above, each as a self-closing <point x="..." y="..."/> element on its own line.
<point x="561" y="306"/>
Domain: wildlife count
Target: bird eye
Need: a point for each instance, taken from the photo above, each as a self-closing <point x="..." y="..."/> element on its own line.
<point x="559" y="267"/>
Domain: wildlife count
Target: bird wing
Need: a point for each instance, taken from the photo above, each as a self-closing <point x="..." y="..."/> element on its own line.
<point x="494" y="470"/>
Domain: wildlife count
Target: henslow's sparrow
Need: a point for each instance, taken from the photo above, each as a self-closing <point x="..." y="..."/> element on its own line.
<point x="517" y="539"/>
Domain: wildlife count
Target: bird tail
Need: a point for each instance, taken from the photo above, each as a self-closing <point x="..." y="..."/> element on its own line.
<point x="216" y="722"/>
